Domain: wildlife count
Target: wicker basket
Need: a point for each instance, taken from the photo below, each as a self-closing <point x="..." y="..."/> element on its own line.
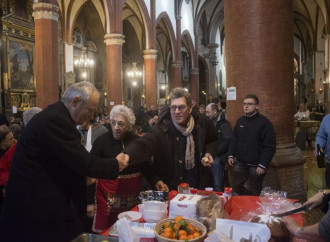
<point x="194" y="223"/>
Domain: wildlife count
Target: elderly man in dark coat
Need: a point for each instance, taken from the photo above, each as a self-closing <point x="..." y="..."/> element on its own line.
<point x="182" y="144"/>
<point x="46" y="190"/>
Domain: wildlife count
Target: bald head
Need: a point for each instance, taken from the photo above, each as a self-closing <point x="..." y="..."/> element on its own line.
<point x="212" y="110"/>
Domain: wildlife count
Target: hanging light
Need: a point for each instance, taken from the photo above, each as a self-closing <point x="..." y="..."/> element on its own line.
<point x="83" y="61"/>
<point x="134" y="72"/>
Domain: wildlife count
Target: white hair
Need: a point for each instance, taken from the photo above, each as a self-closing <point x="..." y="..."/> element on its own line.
<point x="82" y="89"/>
<point x="124" y="111"/>
<point x="28" y="114"/>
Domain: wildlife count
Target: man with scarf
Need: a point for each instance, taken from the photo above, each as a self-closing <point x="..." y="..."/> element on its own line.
<point x="182" y="144"/>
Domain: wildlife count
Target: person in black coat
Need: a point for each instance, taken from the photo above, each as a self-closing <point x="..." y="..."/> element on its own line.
<point x="218" y="169"/>
<point x="254" y="145"/>
<point x="178" y="143"/>
<point x="46" y="189"/>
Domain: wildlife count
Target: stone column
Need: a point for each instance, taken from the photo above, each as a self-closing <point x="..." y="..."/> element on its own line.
<point x="194" y="84"/>
<point x="175" y="75"/>
<point x="213" y="62"/>
<point x="46" y="53"/>
<point x="259" y="59"/>
<point x="114" y="44"/>
<point x="150" y="73"/>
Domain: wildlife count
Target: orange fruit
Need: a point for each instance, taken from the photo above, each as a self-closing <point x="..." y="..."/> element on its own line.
<point x="190" y="236"/>
<point x="177" y="219"/>
<point x="198" y="230"/>
<point x="191" y="229"/>
<point x="166" y="224"/>
<point x="182" y="232"/>
<point x="183" y="237"/>
<point x="167" y="234"/>
<point x="176" y="227"/>
<point x="168" y="230"/>
<point x="196" y="234"/>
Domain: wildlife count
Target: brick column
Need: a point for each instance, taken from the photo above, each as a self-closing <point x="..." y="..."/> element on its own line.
<point x="194" y="84"/>
<point x="114" y="44"/>
<point x="259" y="59"/>
<point x="175" y="75"/>
<point x="150" y="66"/>
<point x="46" y="53"/>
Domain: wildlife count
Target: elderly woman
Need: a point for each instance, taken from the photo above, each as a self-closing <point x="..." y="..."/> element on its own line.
<point x="115" y="196"/>
<point x="302" y="114"/>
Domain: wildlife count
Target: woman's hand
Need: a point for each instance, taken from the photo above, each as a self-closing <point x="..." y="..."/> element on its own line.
<point x="314" y="201"/>
<point x="161" y="186"/>
<point x="291" y="225"/>
<point x="90" y="210"/>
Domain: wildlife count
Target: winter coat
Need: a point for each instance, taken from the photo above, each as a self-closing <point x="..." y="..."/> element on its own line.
<point x="164" y="143"/>
<point x="224" y="133"/>
<point x="254" y="141"/>
<point x="46" y="189"/>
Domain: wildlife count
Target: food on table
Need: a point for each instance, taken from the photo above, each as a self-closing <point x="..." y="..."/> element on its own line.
<point x="209" y="209"/>
<point x="277" y="228"/>
<point x="180" y="229"/>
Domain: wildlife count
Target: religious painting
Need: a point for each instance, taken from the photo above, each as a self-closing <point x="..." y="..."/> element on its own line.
<point x="20" y="65"/>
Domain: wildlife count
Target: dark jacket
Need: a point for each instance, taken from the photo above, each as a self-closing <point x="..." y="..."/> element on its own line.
<point x="46" y="189"/>
<point x="161" y="142"/>
<point x="224" y="133"/>
<point x="106" y="146"/>
<point x="254" y="141"/>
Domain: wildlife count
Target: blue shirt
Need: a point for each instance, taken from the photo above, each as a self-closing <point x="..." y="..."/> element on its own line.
<point x="323" y="136"/>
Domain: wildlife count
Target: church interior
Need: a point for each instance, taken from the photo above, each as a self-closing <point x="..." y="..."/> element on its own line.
<point x="136" y="51"/>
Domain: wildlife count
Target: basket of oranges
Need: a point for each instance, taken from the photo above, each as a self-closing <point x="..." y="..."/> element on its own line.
<point x="179" y="228"/>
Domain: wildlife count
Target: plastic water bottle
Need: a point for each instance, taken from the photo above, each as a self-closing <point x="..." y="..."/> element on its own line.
<point x="227" y="193"/>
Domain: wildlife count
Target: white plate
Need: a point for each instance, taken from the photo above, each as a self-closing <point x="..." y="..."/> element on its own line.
<point x="130" y="216"/>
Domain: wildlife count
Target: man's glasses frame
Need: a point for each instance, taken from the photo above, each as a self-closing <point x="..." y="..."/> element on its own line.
<point x="249" y="104"/>
<point x="180" y="107"/>
<point x="120" y="123"/>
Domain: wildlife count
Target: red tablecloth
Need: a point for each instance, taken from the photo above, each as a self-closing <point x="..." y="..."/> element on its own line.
<point x="240" y="206"/>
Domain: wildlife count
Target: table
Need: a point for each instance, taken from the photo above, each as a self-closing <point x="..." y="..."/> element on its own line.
<point x="240" y="206"/>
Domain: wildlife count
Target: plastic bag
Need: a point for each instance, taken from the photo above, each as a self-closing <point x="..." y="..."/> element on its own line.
<point x="125" y="233"/>
<point x="272" y="202"/>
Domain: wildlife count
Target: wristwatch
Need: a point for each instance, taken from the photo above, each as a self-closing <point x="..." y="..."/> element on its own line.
<point x="323" y="192"/>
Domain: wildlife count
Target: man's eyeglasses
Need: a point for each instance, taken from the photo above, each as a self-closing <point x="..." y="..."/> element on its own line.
<point x="249" y="104"/>
<point x="180" y="107"/>
<point x="120" y="123"/>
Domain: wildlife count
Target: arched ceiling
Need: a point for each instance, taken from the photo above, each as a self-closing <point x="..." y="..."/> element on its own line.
<point x="69" y="11"/>
<point x="311" y="21"/>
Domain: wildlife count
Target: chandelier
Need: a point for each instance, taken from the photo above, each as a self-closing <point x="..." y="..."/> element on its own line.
<point x="134" y="73"/>
<point x="83" y="62"/>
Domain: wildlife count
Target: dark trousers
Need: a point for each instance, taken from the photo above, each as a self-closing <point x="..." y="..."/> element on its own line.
<point x="217" y="171"/>
<point x="240" y="174"/>
<point x="327" y="174"/>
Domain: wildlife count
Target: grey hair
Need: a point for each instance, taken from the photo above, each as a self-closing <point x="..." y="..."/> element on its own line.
<point x="28" y="114"/>
<point x="179" y="92"/>
<point x="124" y="111"/>
<point x="82" y="89"/>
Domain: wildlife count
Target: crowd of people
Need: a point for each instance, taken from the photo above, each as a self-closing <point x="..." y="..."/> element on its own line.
<point x="72" y="171"/>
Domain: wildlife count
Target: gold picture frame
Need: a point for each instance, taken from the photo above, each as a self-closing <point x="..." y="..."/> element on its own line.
<point x="20" y="56"/>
